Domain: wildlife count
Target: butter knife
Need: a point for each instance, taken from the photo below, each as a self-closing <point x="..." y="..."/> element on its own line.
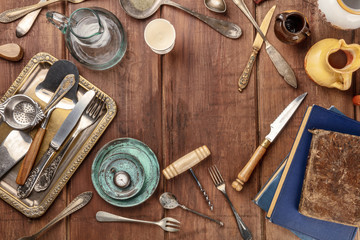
<point x="279" y="62"/>
<point x="26" y="23"/>
<point x="65" y="129"/>
<point x="245" y="76"/>
<point x="276" y="128"/>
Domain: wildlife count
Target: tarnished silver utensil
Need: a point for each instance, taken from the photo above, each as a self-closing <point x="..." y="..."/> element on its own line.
<point x="218" y="6"/>
<point x="167" y="224"/>
<point x="65" y="129"/>
<point x="169" y="201"/>
<point x="13" y="149"/>
<point x="26" y="23"/>
<point x="146" y="8"/>
<point x="76" y="204"/>
<point x="279" y="62"/>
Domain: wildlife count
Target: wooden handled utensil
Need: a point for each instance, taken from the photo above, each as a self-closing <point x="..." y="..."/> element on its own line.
<point x="12" y="52"/>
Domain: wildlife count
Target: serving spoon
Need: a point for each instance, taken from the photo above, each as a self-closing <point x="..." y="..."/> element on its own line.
<point x="218" y="6"/>
<point x="141" y="9"/>
<point x="16" y="13"/>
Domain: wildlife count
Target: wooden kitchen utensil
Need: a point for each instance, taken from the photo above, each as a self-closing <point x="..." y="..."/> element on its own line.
<point x="12" y="52"/>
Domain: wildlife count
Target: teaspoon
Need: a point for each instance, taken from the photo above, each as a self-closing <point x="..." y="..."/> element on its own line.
<point x="218" y="6"/>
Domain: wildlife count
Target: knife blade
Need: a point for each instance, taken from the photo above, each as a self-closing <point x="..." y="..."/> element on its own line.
<point x="245" y="76"/>
<point x="279" y="62"/>
<point x="65" y="129"/>
<point x="276" y="128"/>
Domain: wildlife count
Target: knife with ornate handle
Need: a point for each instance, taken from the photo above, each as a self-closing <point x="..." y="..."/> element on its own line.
<point x="276" y="128"/>
<point x="65" y="129"/>
<point x="279" y="62"/>
<point x="245" y="76"/>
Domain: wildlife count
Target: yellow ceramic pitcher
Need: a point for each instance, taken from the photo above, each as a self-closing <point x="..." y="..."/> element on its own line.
<point x="331" y="62"/>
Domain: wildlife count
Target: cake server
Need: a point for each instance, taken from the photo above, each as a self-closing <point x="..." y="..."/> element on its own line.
<point x="276" y="128"/>
<point x="59" y="138"/>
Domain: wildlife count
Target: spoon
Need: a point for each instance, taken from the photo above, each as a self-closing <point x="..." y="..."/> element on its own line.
<point x="141" y="9"/>
<point x="169" y="201"/>
<point x="26" y="23"/>
<point x="78" y="202"/>
<point x="218" y="6"/>
<point x="16" y="13"/>
<point x="11" y="52"/>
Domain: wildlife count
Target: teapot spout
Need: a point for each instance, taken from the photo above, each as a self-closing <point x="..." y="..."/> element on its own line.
<point x="60" y="21"/>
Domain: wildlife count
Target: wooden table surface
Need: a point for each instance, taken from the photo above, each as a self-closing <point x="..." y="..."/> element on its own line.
<point x="176" y="103"/>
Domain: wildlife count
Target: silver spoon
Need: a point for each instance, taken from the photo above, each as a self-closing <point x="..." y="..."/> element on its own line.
<point x="141" y="9"/>
<point x="79" y="202"/>
<point x="169" y="201"/>
<point x="218" y="6"/>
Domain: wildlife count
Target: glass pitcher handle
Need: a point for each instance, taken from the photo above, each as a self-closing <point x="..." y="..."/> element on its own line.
<point x="60" y="21"/>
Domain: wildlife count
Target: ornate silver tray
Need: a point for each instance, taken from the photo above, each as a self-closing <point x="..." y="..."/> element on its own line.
<point x="37" y="203"/>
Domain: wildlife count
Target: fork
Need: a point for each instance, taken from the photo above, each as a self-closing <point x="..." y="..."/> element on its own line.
<point x="220" y="185"/>
<point x="168" y="224"/>
<point x="89" y="117"/>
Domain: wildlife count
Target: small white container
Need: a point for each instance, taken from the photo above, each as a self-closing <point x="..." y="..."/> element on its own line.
<point x="160" y="36"/>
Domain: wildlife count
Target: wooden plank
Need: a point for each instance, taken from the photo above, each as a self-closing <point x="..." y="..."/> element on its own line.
<point x="135" y="86"/>
<point x="39" y="39"/>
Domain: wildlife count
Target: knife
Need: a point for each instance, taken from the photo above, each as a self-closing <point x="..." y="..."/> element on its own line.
<point x="65" y="129"/>
<point x="276" y="128"/>
<point x="245" y="76"/>
<point x="279" y="62"/>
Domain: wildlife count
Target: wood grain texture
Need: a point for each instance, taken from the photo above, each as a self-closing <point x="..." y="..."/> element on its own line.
<point x="177" y="102"/>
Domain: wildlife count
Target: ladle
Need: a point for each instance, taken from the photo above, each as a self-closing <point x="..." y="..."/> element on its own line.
<point x="169" y="201"/>
<point x="141" y="9"/>
<point x="218" y="6"/>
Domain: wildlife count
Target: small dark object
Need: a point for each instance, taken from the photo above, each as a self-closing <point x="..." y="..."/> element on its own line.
<point x="258" y="1"/>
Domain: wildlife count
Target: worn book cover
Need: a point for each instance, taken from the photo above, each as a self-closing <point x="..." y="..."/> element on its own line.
<point x="284" y="206"/>
<point x="331" y="188"/>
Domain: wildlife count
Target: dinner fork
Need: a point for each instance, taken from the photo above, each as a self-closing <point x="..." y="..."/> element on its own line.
<point x="88" y="118"/>
<point x="168" y="224"/>
<point x="220" y="185"/>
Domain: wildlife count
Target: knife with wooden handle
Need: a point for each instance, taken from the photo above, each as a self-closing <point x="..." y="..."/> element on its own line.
<point x="245" y="76"/>
<point x="276" y="128"/>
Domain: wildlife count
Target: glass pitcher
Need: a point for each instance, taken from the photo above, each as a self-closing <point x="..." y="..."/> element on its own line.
<point x="94" y="36"/>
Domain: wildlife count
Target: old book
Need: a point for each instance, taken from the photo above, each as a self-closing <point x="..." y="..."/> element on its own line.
<point x="331" y="188"/>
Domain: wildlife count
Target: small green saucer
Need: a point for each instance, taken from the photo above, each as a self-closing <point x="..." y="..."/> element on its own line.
<point x="127" y="149"/>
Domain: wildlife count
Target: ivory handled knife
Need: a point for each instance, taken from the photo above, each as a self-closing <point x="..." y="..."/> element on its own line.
<point x="276" y="128"/>
<point x="245" y="76"/>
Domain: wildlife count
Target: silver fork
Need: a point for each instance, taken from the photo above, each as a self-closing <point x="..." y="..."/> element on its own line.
<point x="220" y="185"/>
<point x="168" y="224"/>
<point x="89" y="117"/>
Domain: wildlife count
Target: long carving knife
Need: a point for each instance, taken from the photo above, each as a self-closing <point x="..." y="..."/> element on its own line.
<point x="65" y="129"/>
<point x="276" y="128"/>
<point x="245" y="76"/>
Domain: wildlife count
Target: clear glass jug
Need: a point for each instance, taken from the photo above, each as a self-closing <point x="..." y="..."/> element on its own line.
<point x="94" y="36"/>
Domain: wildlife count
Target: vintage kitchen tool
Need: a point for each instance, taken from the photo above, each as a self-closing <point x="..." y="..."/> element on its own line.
<point x="291" y="27"/>
<point x="245" y="76"/>
<point x="130" y="156"/>
<point x="13" y="149"/>
<point x="16" y="13"/>
<point x="69" y="123"/>
<point x="279" y="62"/>
<point x="11" y="52"/>
<point x="89" y="117"/>
<point x="276" y="128"/>
<point x="144" y="9"/>
<point x="94" y="36"/>
<point x="65" y="86"/>
<point x="169" y="201"/>
<point x="168" y="224"/>
<point x="26" y="23"/>
<point x="218" y="6"/>
<point x="79" y="202"/>
<point x="186" y="163"/>
<point x="220" y="185"/>
<point x="21" y="112"/>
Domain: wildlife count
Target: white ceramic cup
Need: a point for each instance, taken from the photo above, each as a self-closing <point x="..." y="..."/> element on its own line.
<point x="160" y="35"/>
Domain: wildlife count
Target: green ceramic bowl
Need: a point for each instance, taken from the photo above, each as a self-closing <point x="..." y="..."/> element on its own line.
<point x="128" y="149"/>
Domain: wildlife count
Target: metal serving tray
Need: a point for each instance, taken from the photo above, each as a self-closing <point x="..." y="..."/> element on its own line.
<point x="37" y="203"/>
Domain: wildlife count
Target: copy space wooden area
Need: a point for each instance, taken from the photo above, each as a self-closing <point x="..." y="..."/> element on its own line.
<point x="176" y="103"/>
